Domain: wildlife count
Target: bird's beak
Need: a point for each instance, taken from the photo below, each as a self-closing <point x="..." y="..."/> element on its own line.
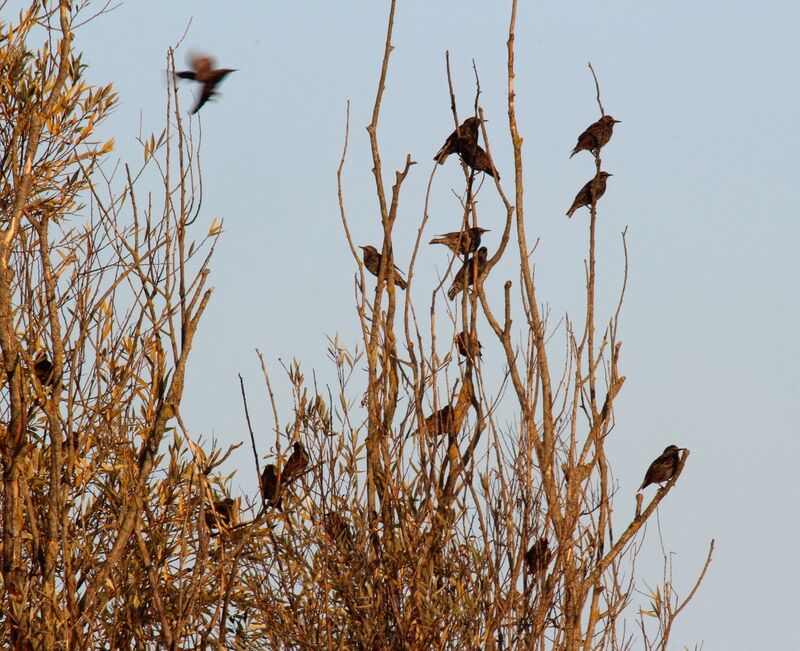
<point x="617" y="121"/>
<point x="609" y="173"/>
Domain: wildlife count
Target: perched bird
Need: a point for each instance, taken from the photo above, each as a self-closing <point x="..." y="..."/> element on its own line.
<point x="203" y="72"/>
<point x="596" y="135"/>
<point x="227" y="513"/>
<point x="468" y="345"/>
<point x="269" y="486"/>
<point x="589" y="193"/>
<point x="537" y="558"/>
<point x="466" y="274"/>
<point x="296" y="464"/>
<point x="372" y="261"/>
<point x="339" y="530"/>
<point x="44" y="370"/>
<point x="476" y="158"/>
<point x="663" y="468"/>
<point x="442" y="422"/>
<point x="466" y="133"/>
<point x="461" y="242"/>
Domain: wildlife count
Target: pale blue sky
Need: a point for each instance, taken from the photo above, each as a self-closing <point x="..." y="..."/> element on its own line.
<point x="705" y="177"/>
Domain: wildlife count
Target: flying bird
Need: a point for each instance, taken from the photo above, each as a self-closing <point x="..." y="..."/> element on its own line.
<point x="466" y="274"/>
<point x="372" y="261"/>
<point x="663" y="468"/>
<point x="203" y="72"/>
<point x="596" y="135"/>
<point x="461" y="242"/>
<point x="589" y="193"/>
<point x="466" y="133"/>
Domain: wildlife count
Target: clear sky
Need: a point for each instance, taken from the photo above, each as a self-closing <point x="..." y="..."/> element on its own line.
<point x="705" y="178"/>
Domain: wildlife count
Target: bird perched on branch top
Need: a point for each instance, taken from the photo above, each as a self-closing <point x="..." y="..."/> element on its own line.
<point x="466" y="133"/>
<point x="466" y="274"/>
<point x="596" y="135"/>
<point x="462" y="242"/>
<point x="663" y="468"/>
<point x="203" y="72"/>
<point x="44" y="370"/>
<point x="296" y="464"/>
<point x="269" y="485"/>
<point x="589" y="193"/>
<point x="372" y="261"/>
<point x="224" y="511"/>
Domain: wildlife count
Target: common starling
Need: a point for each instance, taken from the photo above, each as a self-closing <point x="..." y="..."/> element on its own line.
<point x="372" y="261"/>
<point x="295" y="465"/>
<point x="537" y="558"/>
<point x="476" y="158"/>
<point x="203" y="72"/>
<point x="468" y="345"/>
<point x="596" y="135"/>
<point x="44" y="370"/>
<point x="339" y="530"/>
<point x="663" y="468"/>
<point x="442" y="422"/>
<point x="596" y="187"/>
<point x="466" y="133"/>
<point x="226" y="513"/>
<point x="462" y="242"/>
<point x="466" y="274"/>
<point x="269" y="485"/>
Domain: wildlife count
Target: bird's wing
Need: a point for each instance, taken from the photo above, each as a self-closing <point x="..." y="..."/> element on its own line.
<point x="205" y="95"/>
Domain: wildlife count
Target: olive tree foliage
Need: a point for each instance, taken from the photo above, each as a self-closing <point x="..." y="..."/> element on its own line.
<point x="417" y="520"/>
<point x="107" y="518"/>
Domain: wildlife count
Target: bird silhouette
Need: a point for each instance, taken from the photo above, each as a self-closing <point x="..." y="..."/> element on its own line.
<point x="663" y="467"/>
<point x="476" y="158"/>
<point x="468" y="345"/>
<point x="537" y="558"/>
<point x="589" y="193"/>
<point x="461" y="242"/>
<point x="44" y="370"/>
<point x="372" y="261"/>
<point x="226" y="513"/>
<point x="466" y="274"/>
<point x="296" y="464"/>
<point x="203" y="72"/>
<point x="467" y="132"/>
<point x="596" y="135"/>
<point x="269" y="486"/>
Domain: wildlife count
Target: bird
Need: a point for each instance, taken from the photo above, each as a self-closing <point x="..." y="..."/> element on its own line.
<point x="590" y="193"/>
<point x="224" y="511"/>
<point x="339" y="530"/>
<point x="203" y="72"/>
<point x="476" y="158"/>
<point x="467" y="132"/>
<point x="296" y="464"/>
<point x="269" y="485"/>
<point x="537" y="558"/>
<point x="596" y="135"/>
<point x="372" y="261"/>
<point x="461" y="242"/>
<point x="663" y="468"/>
<point x="442" y="422"/>
<point x="466" y="274"/>
<point x="44" y="370"/>
<point x="468" y="345"/>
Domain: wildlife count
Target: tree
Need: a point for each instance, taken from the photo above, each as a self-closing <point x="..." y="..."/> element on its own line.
<point x="406" y="515"/>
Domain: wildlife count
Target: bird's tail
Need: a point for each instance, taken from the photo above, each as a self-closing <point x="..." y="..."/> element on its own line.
<point x="402" y="284"/>
<point x="574" y="151"/>
<point x="438" y="240"/>
<point x="451" y="293"/>
<point x="441" y="156"/>
<point x="570" y="212"/>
